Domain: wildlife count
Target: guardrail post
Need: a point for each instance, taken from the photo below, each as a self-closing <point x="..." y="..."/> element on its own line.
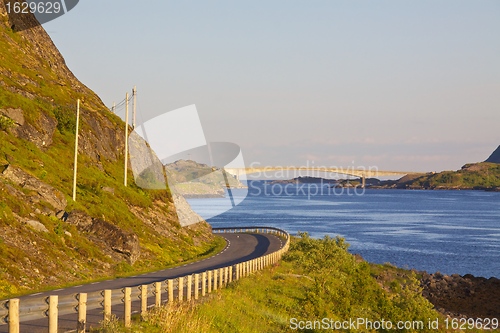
<point x="221" y="278"/>
<point x="127" y="301"/>
<point x="144" y="300"/>
<point x="196" y="285"/>
<point x="107" y="304"/>
<point x="230" y="274"/>
<point x="209" y="281"/>
<point x="170" y="291"/>
<point x="203" y="283"/>
<point x="189" y="287"/>
<point x="82" y="313"/>
<point x="215" y="279"/>
<point x="180" y="289"/>
<point x="237" y="273"/>
<point x="14" y="315"/>
<point x="53" y="313"/>
<point x="157" y="294"/>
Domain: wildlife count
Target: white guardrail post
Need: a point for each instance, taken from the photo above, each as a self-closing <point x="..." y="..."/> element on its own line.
<point x="82" y="313"/>
<point x="14" y="315"/>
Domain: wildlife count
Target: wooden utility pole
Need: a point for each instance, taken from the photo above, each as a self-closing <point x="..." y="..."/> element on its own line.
<point x="76" y="148"/>
<point x="126" y="139"/>
<point x="113" y="109"/>
<point x="134" y="93"/>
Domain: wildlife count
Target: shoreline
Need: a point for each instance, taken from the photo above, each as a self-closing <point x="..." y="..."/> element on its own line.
<point x="462" y="296"/>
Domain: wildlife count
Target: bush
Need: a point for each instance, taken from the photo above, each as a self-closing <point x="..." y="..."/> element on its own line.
<point x="5" y="123"/>
<point x="66" y="119"/>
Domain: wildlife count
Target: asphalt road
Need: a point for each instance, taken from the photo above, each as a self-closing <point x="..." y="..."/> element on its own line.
<point x="240" y="248"/>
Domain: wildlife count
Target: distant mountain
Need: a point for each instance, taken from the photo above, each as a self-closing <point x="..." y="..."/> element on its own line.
<point x="495" y="156"/>
<point x="195" y="180"/>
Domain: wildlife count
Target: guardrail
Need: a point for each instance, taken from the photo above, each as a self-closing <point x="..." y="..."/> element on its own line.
<point x="13" y="311"/>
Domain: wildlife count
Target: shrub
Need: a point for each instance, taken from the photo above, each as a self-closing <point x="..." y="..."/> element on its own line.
<point x="5" y="123"/>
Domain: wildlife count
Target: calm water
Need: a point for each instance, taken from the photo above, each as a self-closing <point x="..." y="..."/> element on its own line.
<point x="446" y="231"/>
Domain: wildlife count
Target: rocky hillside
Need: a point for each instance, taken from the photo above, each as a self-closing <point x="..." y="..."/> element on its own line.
<point x="47" y="239"/>
<point x="495" y="156"/>
<point x="474" y="176"/>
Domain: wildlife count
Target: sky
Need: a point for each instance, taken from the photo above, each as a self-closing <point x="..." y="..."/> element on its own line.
<point x="399" y="85"/>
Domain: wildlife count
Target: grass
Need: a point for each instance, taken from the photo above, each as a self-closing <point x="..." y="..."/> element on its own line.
<point x="317" y="278"/>
<point x="28" y="258"/>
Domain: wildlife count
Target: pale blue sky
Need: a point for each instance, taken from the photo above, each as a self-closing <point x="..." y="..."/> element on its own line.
<point x="408" y="85"/>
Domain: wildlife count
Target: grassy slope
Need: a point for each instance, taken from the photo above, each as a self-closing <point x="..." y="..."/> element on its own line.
<point x="478" y="175"/>
<point x="317" y="279"/>
<point x="32" y="261"/>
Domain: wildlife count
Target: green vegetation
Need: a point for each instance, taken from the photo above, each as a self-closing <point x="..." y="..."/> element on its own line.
<point x="317" y="278"/>
<point x="5" y="123"/>
<point x="36" y="84"/>
<point x="471" y="176"/>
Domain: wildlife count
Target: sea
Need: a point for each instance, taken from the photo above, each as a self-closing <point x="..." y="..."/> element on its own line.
<point x="447" y="231"/>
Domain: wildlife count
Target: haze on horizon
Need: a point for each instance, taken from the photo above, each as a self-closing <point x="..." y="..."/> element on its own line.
<point x="393" y="84"/>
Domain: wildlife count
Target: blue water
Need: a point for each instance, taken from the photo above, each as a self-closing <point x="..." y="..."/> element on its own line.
<point x="445" y="231"/>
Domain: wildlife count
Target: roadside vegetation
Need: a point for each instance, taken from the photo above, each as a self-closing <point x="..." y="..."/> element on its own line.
<point x="317" y="278"/>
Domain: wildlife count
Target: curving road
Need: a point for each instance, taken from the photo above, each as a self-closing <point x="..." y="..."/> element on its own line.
<point x="239" y="248"/>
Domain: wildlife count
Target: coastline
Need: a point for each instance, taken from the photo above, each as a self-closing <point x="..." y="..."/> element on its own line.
<point x="454" y="296"/>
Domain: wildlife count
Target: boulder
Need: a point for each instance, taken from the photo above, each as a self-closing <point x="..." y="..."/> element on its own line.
<point x="43" y="191"/>
<point x="37" y="226"/>
<point x="118" y="240"/>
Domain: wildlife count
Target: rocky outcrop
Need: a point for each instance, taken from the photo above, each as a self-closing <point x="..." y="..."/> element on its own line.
<point x="466" y="295"/>
<point x="43" y="65"/>
<point x="495" y="156"/>
<point x="37" y="190"/>
<point x="41" y="135"/>
<point x="111" y="236"/>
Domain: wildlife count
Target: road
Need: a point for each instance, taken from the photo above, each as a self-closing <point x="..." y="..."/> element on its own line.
<point x="239" y="248"/>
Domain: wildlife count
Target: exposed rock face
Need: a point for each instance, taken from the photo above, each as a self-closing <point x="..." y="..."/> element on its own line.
<point x="466" y="295"/>
<point x="41" y="136"/>
<point x="15" y="114"/>
<point x="43" y="65"/>
<point x="37" y="226"/>
<point x="495" y="156"/>
<point x="40" y="190"/>
<point x="120" y="241"/>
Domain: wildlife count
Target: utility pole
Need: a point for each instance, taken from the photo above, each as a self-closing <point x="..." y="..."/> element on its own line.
<point x="76" y="148"/>
<point x="126" y="139"/>
<point x="134" y="93"/>
<point x="113" y="109"/>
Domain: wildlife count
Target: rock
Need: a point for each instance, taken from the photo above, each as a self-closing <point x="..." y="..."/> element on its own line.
<point x="15" y="114"/>
<point x="108" y="189"/>
<point x="41" y="135"/>
<point x="79" y="219"/>
<point x="494" y="157"/>
<point x="44" y="191"/>
<point x="37" y="226"/>
<point x="119" y="240"/>
<point x="62" y="215"/>
<point x="115" y="238"/>
<point x="67" y="233"/>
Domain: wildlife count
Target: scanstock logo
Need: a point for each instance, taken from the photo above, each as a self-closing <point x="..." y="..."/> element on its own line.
<point x="171" y="151"/>
<point x="26" y="14"/>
